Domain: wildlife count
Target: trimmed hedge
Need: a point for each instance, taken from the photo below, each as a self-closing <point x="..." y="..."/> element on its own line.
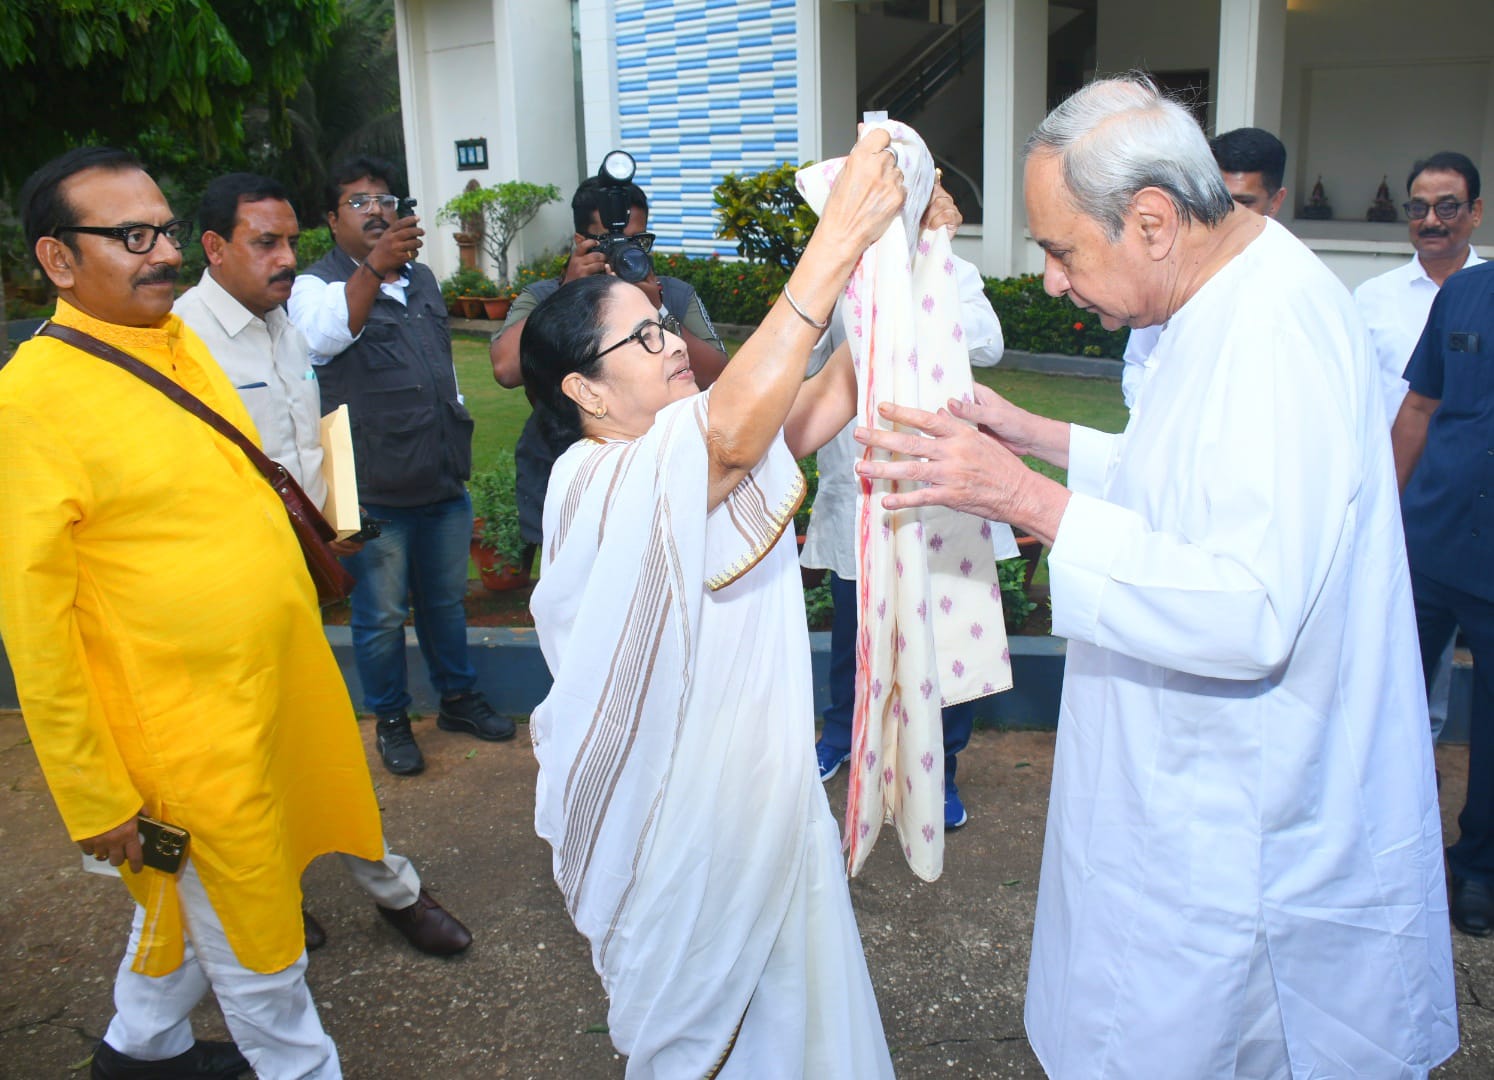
<point x="742" y="293"/>
<point x="1033" y="321"/>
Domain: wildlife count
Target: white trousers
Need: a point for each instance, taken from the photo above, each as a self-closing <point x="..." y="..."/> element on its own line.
<point x="392" y="881"/>
<point x="271" y="1017"/>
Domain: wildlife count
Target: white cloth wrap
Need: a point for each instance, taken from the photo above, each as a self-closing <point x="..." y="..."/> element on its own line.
<point x="676" y="782"/>
<point x="930" y="630"/>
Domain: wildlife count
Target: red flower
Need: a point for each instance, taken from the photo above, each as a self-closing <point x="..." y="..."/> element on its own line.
<point x="1078" y="326"/>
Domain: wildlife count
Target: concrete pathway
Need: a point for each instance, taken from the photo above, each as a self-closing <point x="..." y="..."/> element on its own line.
<point x="949" y="960"/>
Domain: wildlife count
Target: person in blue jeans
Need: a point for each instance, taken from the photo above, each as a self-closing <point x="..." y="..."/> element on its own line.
<point x="376" y="329"/>
<point x="830" y="544"/>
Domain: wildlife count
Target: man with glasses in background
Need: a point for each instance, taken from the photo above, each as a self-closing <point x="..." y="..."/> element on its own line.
<point x="1443" y="210"/>
<point x="536" y="452"/>
<point x="375" y="325"/>
<point x="166" y="642"/>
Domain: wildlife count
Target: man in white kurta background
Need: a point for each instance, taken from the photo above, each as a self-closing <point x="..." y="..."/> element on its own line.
<point x="1242" y="871"/>
<point x="1395" y="304"/>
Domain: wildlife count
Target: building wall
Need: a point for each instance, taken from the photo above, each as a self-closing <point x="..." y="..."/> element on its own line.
<point x="494" y="69"/>
<point x="703" y="89"/>
<point x="1364" y="94"/>
<point x="1370" y="87"/>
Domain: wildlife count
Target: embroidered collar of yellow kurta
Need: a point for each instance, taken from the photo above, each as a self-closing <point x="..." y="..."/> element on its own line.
<point x="165" y="637"/>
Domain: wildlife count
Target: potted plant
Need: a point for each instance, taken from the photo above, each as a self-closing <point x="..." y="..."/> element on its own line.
<point x="464" y="290"/>
<point x="497" y="548"/>
<point x="504" y="209"/>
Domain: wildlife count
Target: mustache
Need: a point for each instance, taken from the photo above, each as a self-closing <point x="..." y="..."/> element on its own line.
<point x="285" y="275"/>
<point x="1435" y="230"/>
<point x="375" y="223"/>
<point x="157" y="276"/>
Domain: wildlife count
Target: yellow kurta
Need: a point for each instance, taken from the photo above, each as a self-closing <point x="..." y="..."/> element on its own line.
<point x="165" y="637"/>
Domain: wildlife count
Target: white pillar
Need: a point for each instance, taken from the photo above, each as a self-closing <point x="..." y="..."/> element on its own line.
<point x="1252" y="47"/>
<point x="536" y="137"/>
<point x="826" y="31"/>
<point x="471" y="71"/>
<point x="598" y="24"/>
<point x="414" y="101"/>
<point x="1016" y="92"/>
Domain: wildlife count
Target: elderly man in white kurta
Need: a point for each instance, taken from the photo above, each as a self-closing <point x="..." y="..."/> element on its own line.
<point x="1242" y="872"/>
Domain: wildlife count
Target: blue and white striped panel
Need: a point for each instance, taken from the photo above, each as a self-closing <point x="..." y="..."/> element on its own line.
<point x="705" y="88"/>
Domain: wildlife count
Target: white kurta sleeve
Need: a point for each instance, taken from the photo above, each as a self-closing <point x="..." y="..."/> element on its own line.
<point x="983" y="339"/>
<point x="1270" y="492"/>
<point x="1091" y="454"/>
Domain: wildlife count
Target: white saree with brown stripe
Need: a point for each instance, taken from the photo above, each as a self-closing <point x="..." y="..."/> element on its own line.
<point x="677" y="785"/>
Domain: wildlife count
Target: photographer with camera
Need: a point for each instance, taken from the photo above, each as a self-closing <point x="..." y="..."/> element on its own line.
<point x="611" y="218"/>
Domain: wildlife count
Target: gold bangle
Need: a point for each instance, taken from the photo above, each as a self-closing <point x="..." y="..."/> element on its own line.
<point x="801" y="312"/>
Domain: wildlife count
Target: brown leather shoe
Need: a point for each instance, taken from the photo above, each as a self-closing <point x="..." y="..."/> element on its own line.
<point x="316" y="937"/>
<point x="429" y="927"/>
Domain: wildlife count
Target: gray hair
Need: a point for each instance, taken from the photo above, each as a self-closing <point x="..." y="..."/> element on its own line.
<point x="1117" y="136"/>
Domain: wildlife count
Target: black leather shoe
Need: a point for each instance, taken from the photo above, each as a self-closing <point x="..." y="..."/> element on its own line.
<point x="316" y="937"/>
<point x="1472" y="906"/>
<point x="397" y="746"/>
<point x="217" y="1060"/>
<point x="429" y="927"/>
<point x="471" y="714"/>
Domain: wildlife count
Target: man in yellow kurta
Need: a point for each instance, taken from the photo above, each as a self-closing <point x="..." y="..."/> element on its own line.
<point x="166" y="643"/>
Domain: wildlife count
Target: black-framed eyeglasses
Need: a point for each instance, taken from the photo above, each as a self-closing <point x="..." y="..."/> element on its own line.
<point x="138" y="239"/>
<point x="644" y="240"/>
<point x="1446" y="209"/>
<point x="650" y="335"/>
<point x="364" y="203"/>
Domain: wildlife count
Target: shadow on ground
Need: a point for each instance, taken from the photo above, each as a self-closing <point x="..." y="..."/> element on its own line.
<point x="949" y="960"/>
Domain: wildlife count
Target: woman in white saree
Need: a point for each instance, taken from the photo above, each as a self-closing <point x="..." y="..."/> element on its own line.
<point x="678" y="787"/>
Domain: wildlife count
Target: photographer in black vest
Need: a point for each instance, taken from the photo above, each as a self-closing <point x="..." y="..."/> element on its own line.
<point x="376" y="327"/>
<point x="612" y="237"/>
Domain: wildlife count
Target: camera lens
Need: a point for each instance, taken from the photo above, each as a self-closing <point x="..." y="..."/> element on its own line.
<point x="631" y="263"/>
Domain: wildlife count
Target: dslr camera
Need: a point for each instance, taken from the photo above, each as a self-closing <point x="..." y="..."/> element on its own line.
<point x="628" y="256"/>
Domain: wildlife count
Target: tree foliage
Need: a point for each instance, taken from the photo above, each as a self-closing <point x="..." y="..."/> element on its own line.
<point x="765" y="214"/>
<point x="110" y="70"/>
<point x="347" y="104"/>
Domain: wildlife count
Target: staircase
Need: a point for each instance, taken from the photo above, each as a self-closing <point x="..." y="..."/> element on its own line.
<point x="932" y="71"/>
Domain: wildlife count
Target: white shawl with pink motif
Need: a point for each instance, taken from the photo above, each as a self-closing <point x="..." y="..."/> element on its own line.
<point x="931" y="631"/>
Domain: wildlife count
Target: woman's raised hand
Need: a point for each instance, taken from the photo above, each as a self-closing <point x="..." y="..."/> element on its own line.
<point x="867" y="194"/>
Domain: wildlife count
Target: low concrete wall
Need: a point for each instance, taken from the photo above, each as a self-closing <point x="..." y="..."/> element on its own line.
<point x="512" y="673"/>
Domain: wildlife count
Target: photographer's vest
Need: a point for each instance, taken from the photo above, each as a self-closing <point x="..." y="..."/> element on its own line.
<point x="412" y="438"/>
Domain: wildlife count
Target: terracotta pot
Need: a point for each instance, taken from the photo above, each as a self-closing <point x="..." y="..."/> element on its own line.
<point x="1029" y="548"/>
<point x="497" y="575"/>
<point x="496" y="307"/>
<point x="471" y="306"/>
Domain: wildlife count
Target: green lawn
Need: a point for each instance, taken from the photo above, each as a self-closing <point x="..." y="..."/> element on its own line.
<point x="501" y="413"/>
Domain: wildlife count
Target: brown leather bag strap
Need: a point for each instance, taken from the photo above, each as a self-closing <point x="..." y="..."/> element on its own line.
<point x="272" y="471"/>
